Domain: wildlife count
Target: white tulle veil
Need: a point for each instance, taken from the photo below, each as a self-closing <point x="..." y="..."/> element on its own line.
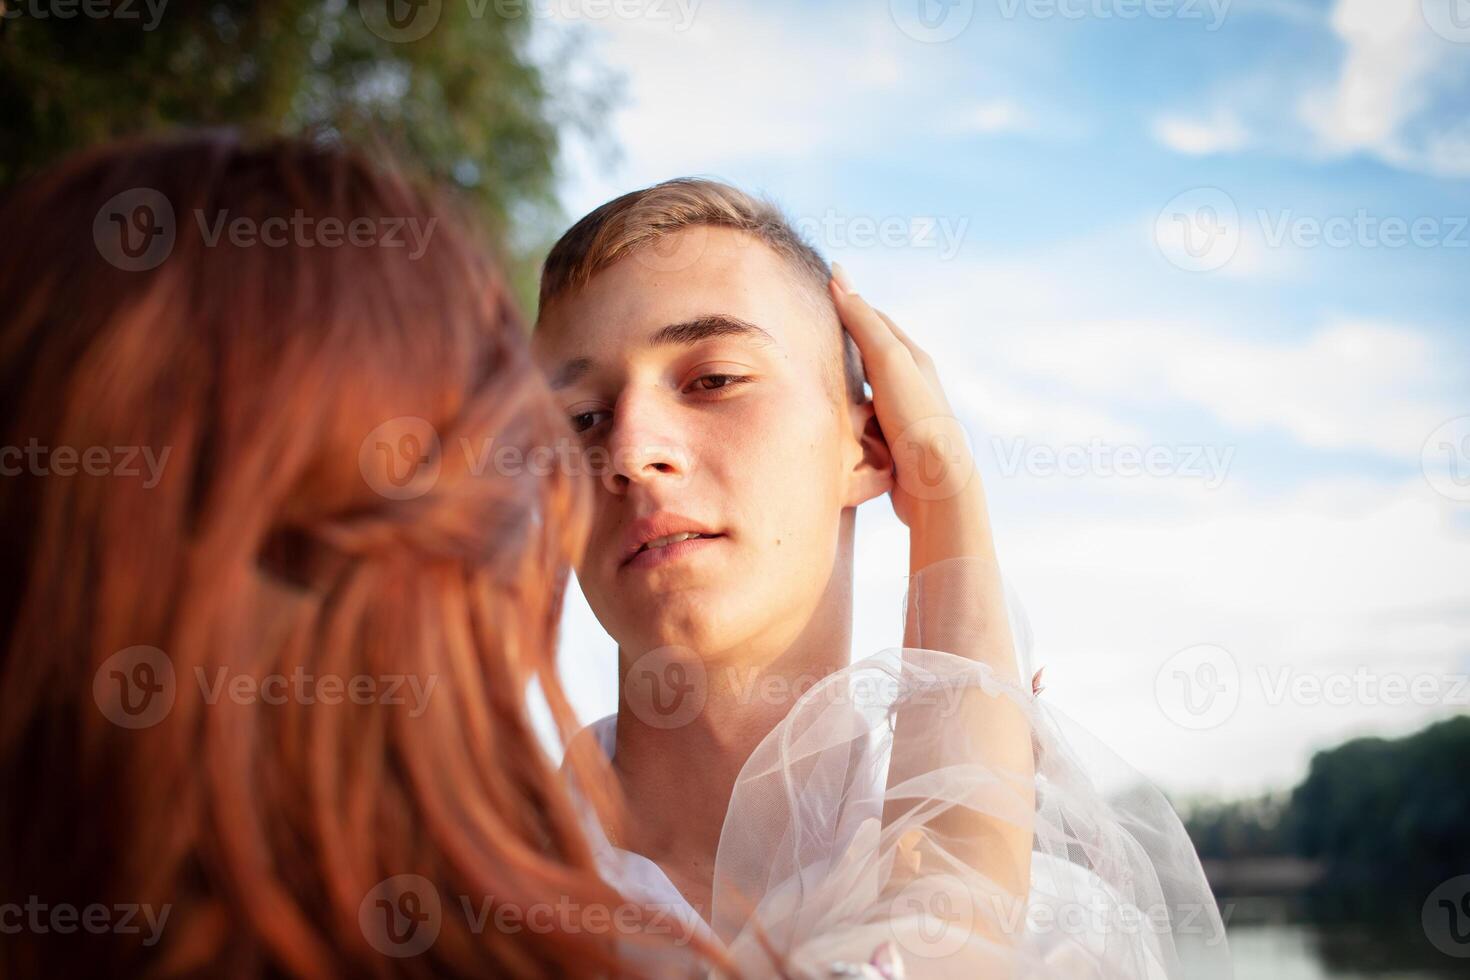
<point x="864" y="836"/>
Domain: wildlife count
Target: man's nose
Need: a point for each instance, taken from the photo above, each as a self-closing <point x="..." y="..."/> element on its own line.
<point x="645" y="446"/>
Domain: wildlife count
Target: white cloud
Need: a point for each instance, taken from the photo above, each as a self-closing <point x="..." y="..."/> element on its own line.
<point x="1447" y="151"/>
<point x="1060" y="349"/>
<point x="995" y="116"/>
<point x="1220" y="133"/>
<point x="1299" y="11"/>
<point x="1392" y="66"/>
<point x="1349" y="385"/>
<point x="739" y="85"/>
<point x="1318" y="581"/>
<point x="1395" y="91"/>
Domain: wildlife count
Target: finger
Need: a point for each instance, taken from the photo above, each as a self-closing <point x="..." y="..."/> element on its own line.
<point x="840" y="277"/>
<point x="872" y="335"/>
<point x="904" y="338"/>
<point x="920" y="356"/>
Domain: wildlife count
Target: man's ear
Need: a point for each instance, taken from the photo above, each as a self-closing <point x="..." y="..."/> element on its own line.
<point x="871" y="473"/>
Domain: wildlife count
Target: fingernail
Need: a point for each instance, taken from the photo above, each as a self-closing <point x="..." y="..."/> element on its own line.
<point x="839" y="276"/>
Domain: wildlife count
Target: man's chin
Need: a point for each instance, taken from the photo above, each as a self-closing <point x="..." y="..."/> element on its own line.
<point x="676" y="619"/>
<point x="648" y="589"/>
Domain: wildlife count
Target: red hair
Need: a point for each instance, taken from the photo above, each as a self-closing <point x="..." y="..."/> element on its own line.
<point x="269" y="546"/>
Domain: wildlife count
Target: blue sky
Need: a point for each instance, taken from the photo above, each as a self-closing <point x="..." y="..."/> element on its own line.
<point x="1109" y="229"/>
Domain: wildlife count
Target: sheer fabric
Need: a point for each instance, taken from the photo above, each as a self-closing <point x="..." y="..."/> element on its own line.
<point x="879" y="829"/>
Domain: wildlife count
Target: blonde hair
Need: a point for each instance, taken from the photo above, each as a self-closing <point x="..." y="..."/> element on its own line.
<point x="639" y="219"/>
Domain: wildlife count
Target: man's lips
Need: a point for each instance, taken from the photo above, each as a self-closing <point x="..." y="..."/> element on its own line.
<point x="651" y="557"/>
<point x="659" y="525"/>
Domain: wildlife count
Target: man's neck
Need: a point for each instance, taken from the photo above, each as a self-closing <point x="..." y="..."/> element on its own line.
<point x="678" y="780"/>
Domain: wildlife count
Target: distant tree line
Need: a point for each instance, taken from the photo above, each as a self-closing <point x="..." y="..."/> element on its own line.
<point x="1368" y="807"/>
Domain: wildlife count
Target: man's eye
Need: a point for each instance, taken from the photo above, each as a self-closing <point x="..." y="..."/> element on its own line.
<point x="582" y="421"/>
<point x="718" y="381"/>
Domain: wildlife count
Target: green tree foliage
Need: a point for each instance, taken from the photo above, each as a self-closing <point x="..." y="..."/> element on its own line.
<point x="1240" y="828"/>
<point x="466" y="104"/>
<point x="1400" y="803"/>
<point x="1370" y="805"/>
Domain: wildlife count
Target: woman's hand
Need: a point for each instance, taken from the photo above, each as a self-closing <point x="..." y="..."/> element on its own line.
<point x="959" y="607"/>
<point x="935" y="480"/>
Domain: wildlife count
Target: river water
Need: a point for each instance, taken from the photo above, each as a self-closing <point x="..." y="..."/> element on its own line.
<point x="1289" y="939"/>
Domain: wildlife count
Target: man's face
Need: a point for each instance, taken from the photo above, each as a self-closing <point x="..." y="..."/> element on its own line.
<point x="703" y="392"/>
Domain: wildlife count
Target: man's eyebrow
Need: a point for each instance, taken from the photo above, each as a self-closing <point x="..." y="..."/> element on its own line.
<point x="570" y="372"/>
<point x="684" y="334"/>
<point x="703" y="328"/>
